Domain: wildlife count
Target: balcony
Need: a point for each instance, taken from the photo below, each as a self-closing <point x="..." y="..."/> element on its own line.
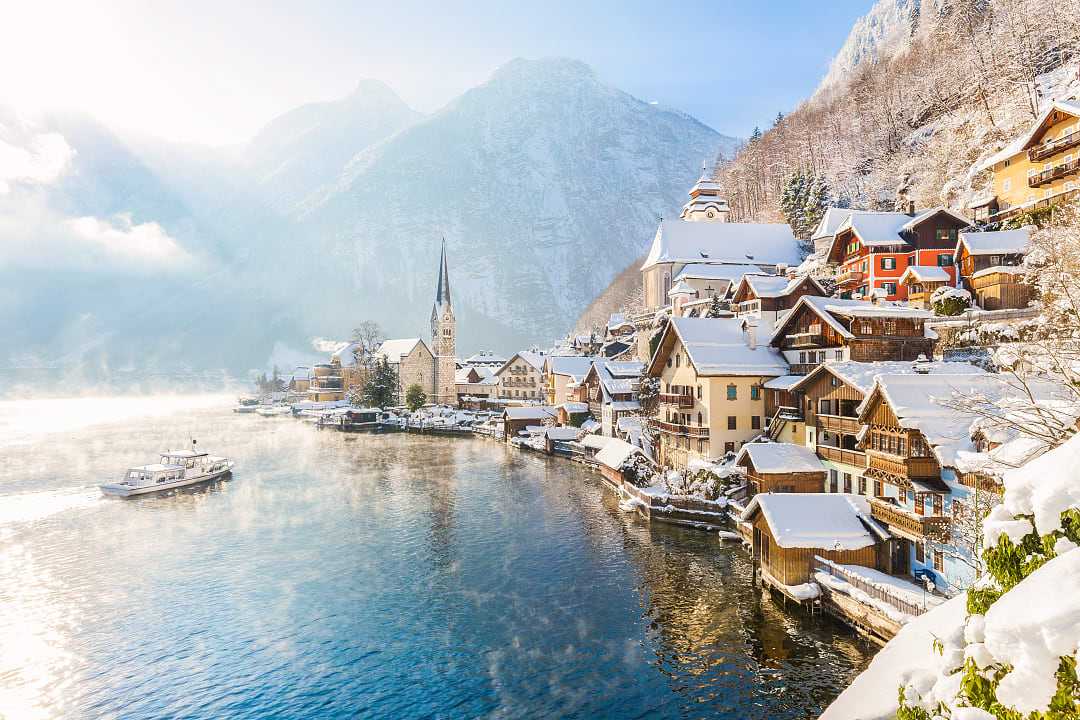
<point x="838" y="424"/>
<point x="1041" y="152"/>
<point x="935" y="527"/>
<point x="905" y="467"/>
<point x="839" y="455"/>
<point x="326" y="383"/>
<point x="694" y="431"/>
<point x="802" y="368"/>
<point x="1011" y="212"/>
<point x="805" y="340"/>
<point x="1055" y="173"/>
<point x="678" y="400"/>
<point x="850" y="277"/>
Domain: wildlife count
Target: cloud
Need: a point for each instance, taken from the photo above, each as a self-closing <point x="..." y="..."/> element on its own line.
<point x="120" y="238"/>
<point x="38" y="160"/>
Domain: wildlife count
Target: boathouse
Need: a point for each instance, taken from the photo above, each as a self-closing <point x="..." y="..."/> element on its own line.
<point x="781" y="468"/>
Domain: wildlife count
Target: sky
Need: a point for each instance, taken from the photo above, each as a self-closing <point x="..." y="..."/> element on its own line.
<point x="214" y="72"/>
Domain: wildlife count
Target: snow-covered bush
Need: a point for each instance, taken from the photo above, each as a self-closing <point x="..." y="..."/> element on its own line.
<point x="709" y="481"/>
<point x="640" y="471"/>
<point x="950" y="301"/>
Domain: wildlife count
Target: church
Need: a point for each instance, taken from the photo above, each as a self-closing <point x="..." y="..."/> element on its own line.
<point x="432" y="367"/>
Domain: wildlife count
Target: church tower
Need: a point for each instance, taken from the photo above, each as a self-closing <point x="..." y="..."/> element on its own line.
<point x="706" y="203"/>
<point x="443" y="337"/>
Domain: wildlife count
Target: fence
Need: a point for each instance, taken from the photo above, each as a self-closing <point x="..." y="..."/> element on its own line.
<point x="874" y="591"/>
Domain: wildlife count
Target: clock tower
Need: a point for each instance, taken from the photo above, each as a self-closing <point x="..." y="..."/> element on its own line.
<point x="443" y="337"/>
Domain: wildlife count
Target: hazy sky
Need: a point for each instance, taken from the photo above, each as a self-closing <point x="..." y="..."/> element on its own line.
<point x="215" y="71"/>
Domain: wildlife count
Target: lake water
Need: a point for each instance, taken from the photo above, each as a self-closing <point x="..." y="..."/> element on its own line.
<point x="385" y="576"/>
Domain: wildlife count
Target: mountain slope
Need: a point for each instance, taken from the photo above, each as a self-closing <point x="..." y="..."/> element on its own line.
<point x="545" y="183"/>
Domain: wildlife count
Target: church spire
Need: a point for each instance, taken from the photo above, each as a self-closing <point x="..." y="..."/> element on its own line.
<point x="442" y="292"/>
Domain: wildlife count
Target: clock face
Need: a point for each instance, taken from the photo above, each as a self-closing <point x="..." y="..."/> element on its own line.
<point x="709" y="214"/>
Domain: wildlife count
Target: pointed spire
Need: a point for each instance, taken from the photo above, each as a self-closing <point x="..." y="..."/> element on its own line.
<point x="442" y="292"/>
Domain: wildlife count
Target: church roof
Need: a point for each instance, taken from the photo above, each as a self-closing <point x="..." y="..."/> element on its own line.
<point x="442" y="290"/>
<point x="693" y="242"/>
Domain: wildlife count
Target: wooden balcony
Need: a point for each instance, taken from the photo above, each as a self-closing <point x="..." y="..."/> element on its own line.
<point x="802" y="368"/>
<point x="905" y="467"/>
<point x="694" y="431"/>
<point x="907" y="523"/>
<point x="838" y="424"/>
<point x="850" y="277"/>
<point x="805" y="340"/>
<point x="1011" y="212"/>
<point x="682" y="401"/>
<point x="838" y="455"/>
<point x="1045" y="150"/>
<point x="1055" y="173"/>
<point x="991" y="279"/>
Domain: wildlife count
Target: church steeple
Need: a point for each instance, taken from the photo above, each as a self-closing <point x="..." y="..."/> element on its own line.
<point x="706" y="203"/>
<point x="443" y="336"/>
<point x="442" y="291"/>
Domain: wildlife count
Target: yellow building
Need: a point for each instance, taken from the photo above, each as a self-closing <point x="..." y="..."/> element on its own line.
<point x="711" y="397"/>
<point x="1037" y="169"/>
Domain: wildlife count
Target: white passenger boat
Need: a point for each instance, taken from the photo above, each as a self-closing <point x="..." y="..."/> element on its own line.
<point x="176" y="468"/>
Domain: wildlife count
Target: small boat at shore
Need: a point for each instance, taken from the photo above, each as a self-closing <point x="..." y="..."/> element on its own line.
<point x="274" y="410"/>
<point x="175" y="468"/>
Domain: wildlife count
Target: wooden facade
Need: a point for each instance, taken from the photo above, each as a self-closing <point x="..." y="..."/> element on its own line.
<point x="788" y="482"/>
<point x="1000" y="291"/>
<point x="794" y="566"/>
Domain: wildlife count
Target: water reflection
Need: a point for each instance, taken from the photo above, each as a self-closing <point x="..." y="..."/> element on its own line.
<point x="375" y="575"/>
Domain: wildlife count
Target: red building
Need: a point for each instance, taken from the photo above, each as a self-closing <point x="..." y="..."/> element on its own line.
<point x="874" y="249"/>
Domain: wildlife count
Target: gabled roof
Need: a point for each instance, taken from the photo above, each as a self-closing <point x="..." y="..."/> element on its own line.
<point x="860" y="375"/>
<point x="615" y="453"/>
<point x="1022" y="142"/>
<point x="574" y="366"/>
<point x="618" y="320"/>
<point x="394" y="350"/>
<point x="829" y="309"/>
<point x="826" y="521"/>
<point x="732" y="272"/>
<point x="682" y="241"/>
<point x="485" y="358"/>
<point x="346" y="354"/>
<point x="926" y="273"/>
<point x="999" y="242"/>
<point x="681" y="288"/>
<point x="533" y="358"/>
<point x="833" y="218"/>
<point x="774" y="286"/>
<point x="720" y="347"/>
<point x="771" y="458"/>
<point x="531" y="412"/>
<point x="927" y="214"/>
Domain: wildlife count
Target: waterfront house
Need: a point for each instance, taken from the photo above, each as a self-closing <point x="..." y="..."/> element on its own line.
<point x="826" y="402"/>
<point x="563" y="373"/>
<point x="299" y="381"/>
<point x="326" y="384"/>
<point x="764" y="298"/>
<point x="522" y="376"/>
<point x="990" y="265"/>
<point x="783" y="416"/>
<point x="516" y="419"/>
<point x="711" y="374"/>
<point x="781" y="468"/>
<point x="1039" y="168"/>
<point x="611" y="392"/>
<point x="476" y="385"/>
<point x="873" y="249"/>
<point x="413" y="362"/>
<point x="789" y="530"/>
<point x="919" y="283"/>
<point x="819" y="329"/>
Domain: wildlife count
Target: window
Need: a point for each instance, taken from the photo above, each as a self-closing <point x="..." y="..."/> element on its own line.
<point x="755" y="392"/>
<point x="731" y="422"/>
<point x="1032" y="172"/>
<point x="920" y="504"/>
<point x="995" y="260"/>
<point x="732" y="392"/>
<point x="755" y="422"/>
<point x="877" y="488"/>
<point x="944" y="260"/>
<point x="847" y="482"/>
<point x="729" y="447"/>
<point x="889" y="288"/>
<point x="802" y="357"/>
<point x="939" y="560"/>
<point x="945" y="234"/>
<point x="678" y="359"/>
<point x="1006" y="185"/>
<point x="669" y="361"/>
<point x="862" y="486"/>
<point x="939" y="509"/>
<point x="1048" y="193"/>
<point x="834" y="481"/>
<point x="699" y="418"/>
<point x="888" y="263"/>
<point x="698" y="392"/>
<point x="919" y="555"/>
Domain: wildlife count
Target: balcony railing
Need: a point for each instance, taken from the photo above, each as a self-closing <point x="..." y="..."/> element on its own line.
<point x="1011" y="212"/>
<point x="1040" y="152"/>
<point x="695" y="431"/>
<point x="839" y="455"/>
<point x="806" y="339"/>
<point x="802" y="368"/>
<point x="850" y="277"/>
<point x="1055" y="173"/>
<point x="935" y="527"/>
<point x="875" y="591"/>
<point x="838" y="424"/>
<point x="678" y="400"/>
<point x="905" y="467"/>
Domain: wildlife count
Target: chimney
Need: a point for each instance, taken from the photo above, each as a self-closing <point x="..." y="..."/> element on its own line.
<point x="751" y="335"/>
<point x="781" y="269"/>
<point x="911" y="208"/>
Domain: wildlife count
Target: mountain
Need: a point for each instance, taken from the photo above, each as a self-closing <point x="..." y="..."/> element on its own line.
<point x="545" y="183"/>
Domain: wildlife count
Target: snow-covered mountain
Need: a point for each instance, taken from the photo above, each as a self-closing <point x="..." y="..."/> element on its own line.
<point x="120" y="251"/>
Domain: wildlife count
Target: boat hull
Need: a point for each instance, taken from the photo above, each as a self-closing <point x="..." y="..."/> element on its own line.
<point x="119" y="490"/>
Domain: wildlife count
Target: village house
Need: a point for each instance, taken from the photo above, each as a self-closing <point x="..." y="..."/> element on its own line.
<point x="764" y="298"/>
<point x="780" y="468"/>
<point x="711" y="375"/>
<point x="412" y="361"/>
<point x="819" y="329"/>
<point x="990" y="265"/>
<point x="873" y="249"/>
<point x="522" y="377"/>
<point x="826" y="402"/>
<point x="611" y="392"/>
<point x="300" y="380"/>
<point x="1037" y="169"/>
<point x="920" y="282"/>
<point x="517" y="420"/>
<point x="824" y="233"/>
<point x="476" y="385"/>
<point x="326" y="383"/>
<point x="485" y="359"/>
<point x="562" y="375"/>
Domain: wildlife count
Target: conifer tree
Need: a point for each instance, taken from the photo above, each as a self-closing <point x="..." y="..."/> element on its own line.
<point x="381" y="388"/>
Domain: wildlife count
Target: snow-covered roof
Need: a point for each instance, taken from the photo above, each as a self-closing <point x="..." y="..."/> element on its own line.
<point x="926" y="273"/>
<point x="732" y="272"/>
<point x="780" y="458"/>
<point x="998" y="242"/>
<point x="876" y="228"/>
<point x="533" y="412"/>
<point x="926" y="214"/>
<point x="826" y="521"/>
<point x="575" y="366"/>
<point x="534" y="359"/>
<point x="301" y="372"/>
<point x="394" y="350"/>
<point x="562" y="433"/>
<point x="616" y="452"/>
<point x="719" y="346"/>
<point x="828" y="308"/>
<point x="625" y="405"/>
<point x="999" y="269"/>
<point x="575" y="407"/>
<point x="346" y="354"/>
<point x="682" y="241"/>
<point x="1021" y="142"/>
<point x="680" y="288"/>
<point x="596" y="441"/>
<point x="832" y="219"/>
<point x="617" y="320"/>
<point x="860" y="375"/>
<point x="784" y="382"/>
<point x="775" y="286"/>
<point x="485" y="358"/>
<point x="624" y="368"/>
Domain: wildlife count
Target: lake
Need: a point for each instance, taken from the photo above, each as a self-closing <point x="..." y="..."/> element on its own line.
<point x="385" y="576"/>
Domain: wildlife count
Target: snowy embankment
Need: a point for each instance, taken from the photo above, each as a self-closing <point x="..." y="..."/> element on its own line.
<point x="895" y="587"/>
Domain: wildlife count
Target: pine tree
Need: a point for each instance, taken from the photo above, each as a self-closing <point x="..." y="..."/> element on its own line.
<point x="381" y="388"/>
<point x="779" y="119"/>
<point x="415" y="397"/>
<point x="756" y="135"/>
<point x="716" y="308"/>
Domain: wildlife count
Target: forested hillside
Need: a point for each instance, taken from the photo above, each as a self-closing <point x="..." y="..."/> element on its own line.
<point x="926" y="96"/>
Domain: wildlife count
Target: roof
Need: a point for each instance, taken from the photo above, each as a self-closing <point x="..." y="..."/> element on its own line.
<point x="860" y="375"/>
<point x="575" y="407"/>
<point x="442" y="290"/>
<point x="926" y="273"/>
<point x="562" y="433"/>
<point x="534" y="359"/>
<point x="1002" y="269"/>
<point x="717" y="271"/>
<point x="681" y="288"/>
<point x="1021" y="143"/>
<point x="876" y="228"/>
<point x="719" y="346"/>
<point x="828" y="308"/>
<point x="682" y="241"/>
<point x="775" y="286"/>
<point x="346" y="354"/>
<point x="926" y="214"/>
<point x="999" y="242"/>
<point x="533" y="412"/>
<point x="393" y="350"/>
<point x="617" y="320"/>
<point x="616" y="452"/>
<point x="832" y="219"/>
<point x="485" y="358"/>
<point x="781" y="458"/>
<point x="784" y="382"/>
<point x="575" y="366"/>
<point x="826" y="521"/>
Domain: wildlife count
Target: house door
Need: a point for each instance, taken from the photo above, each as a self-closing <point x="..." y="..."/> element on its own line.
<point x="757" y="543"/>
<point x="901" y="557"/>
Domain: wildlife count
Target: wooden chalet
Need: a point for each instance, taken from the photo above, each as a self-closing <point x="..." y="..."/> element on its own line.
<point x="819" y="329"/>
<point x="765" y="297"/>
<point x="781" y="468"/>
<point x="990" y="268"/>
<point x="873" y="249"/>
<point x="919" y="283"/>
